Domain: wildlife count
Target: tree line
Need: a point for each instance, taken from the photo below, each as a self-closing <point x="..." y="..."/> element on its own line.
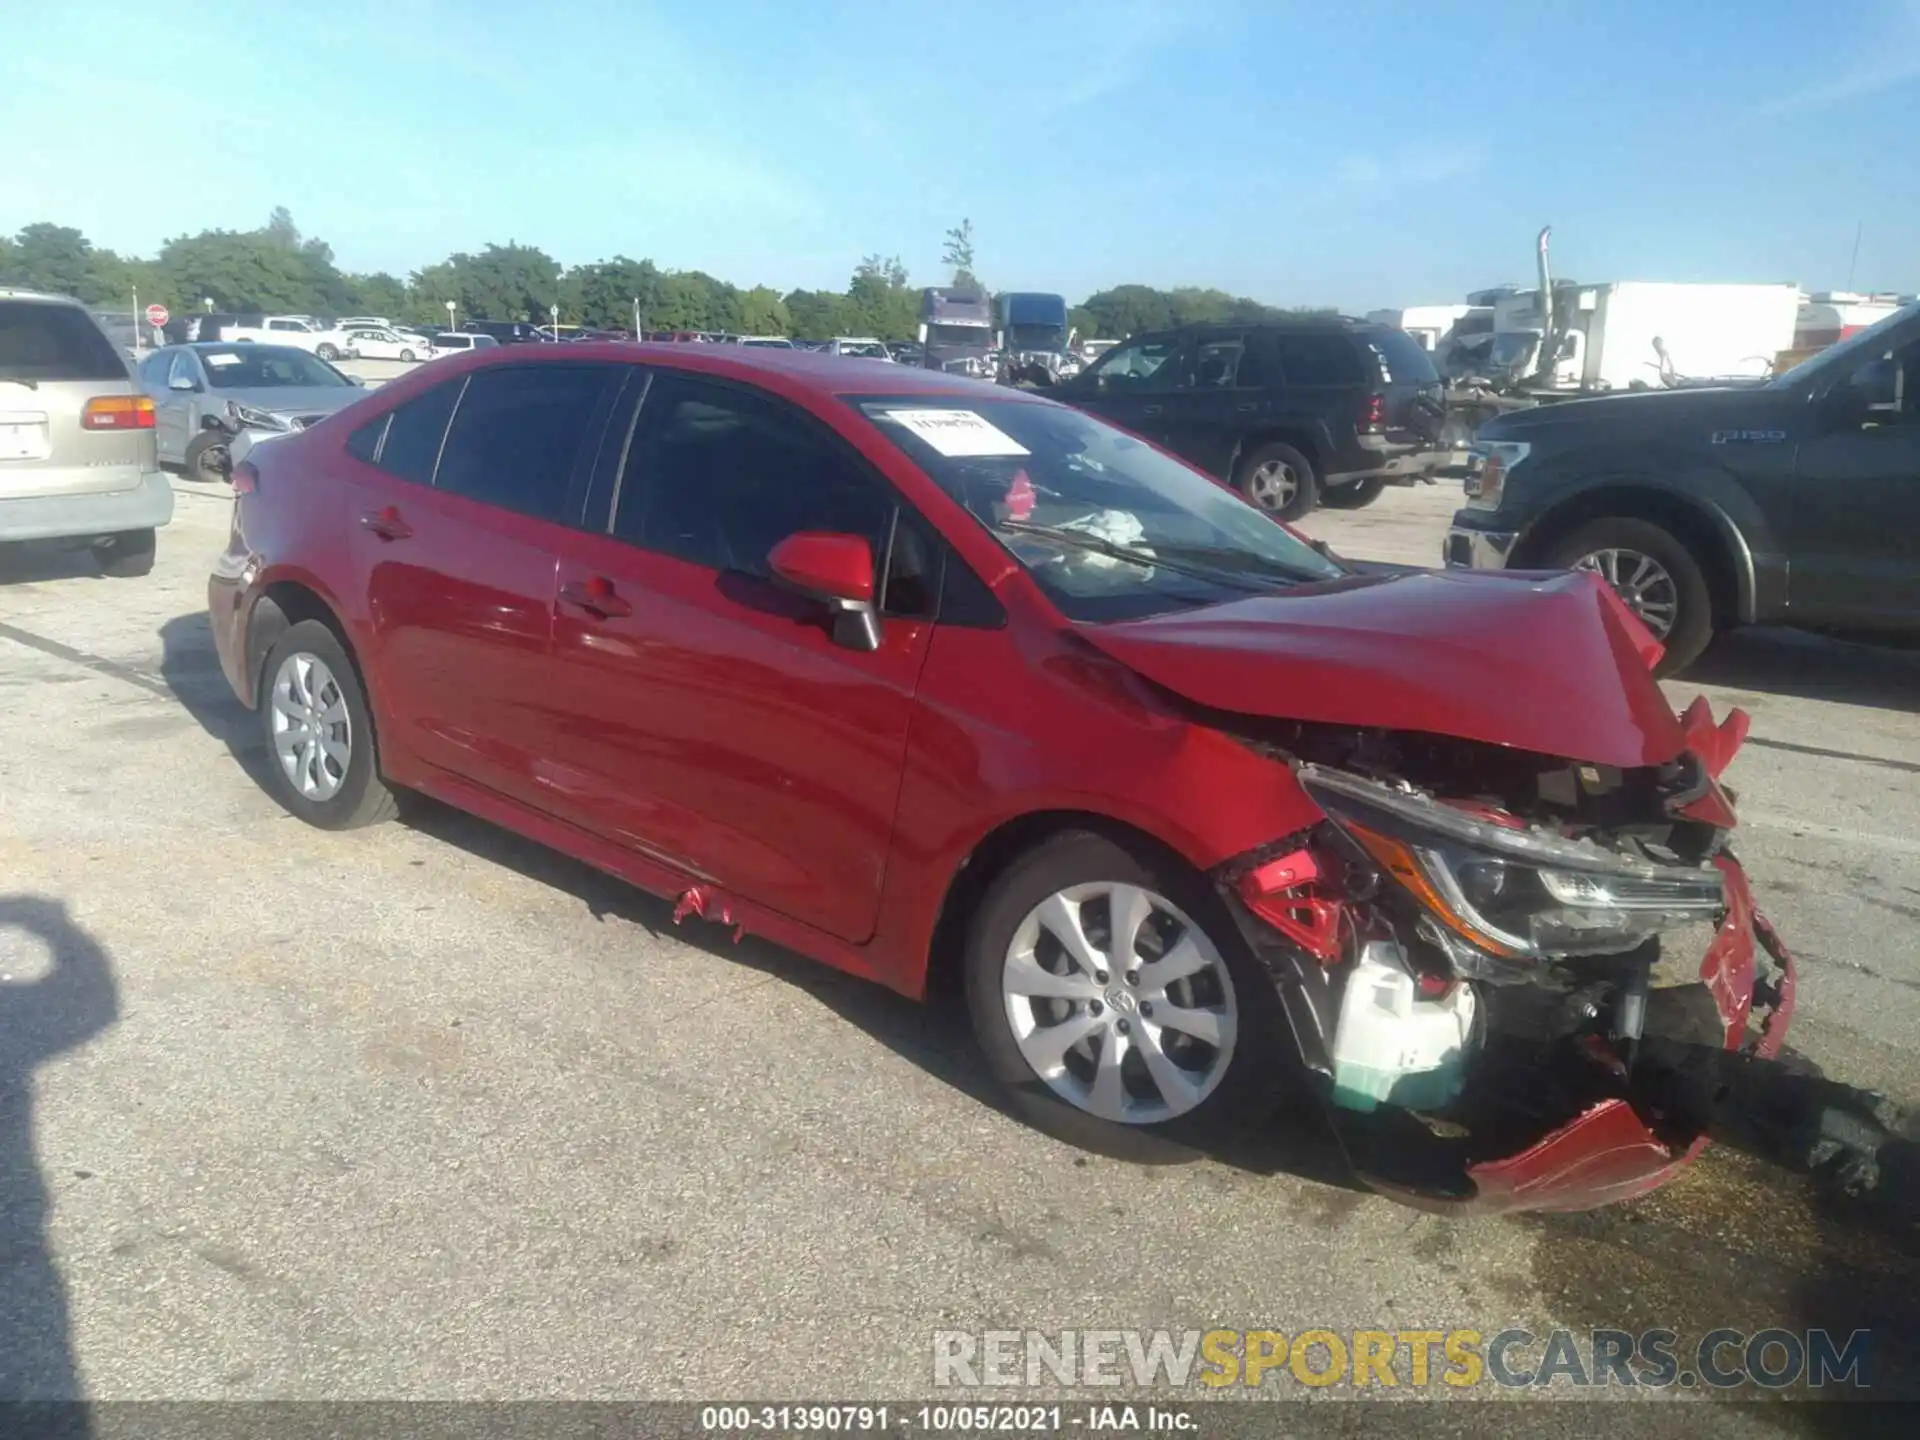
<point x="277" y="269"/>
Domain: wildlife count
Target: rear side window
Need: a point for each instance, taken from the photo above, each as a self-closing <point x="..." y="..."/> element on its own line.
<point x="1402" y="359"/>
<point x="364" y="444"/>
<point x="40" y="341"/>
<point x="1319" y="359"/>
<point x="518" y="433"/>
<point x="414" y="433"/>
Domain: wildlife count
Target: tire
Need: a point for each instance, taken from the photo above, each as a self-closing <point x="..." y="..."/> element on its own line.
<point x="308" y="673"/>
<point x="1231" y="1086"/>
<point x="328" y="352"/>
<point x="1355" y="494"/>
<point x="125" y="556"/>
<point x="1630" y="542"/>
<point x="1287" y="494"/>
<point x="406" y="357"/>
<point x="207" y="458"/>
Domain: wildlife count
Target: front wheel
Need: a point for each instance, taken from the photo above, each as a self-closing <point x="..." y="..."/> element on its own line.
<point x="1655" y="574"/>
<point x="324" y="765"/>
<point x="406" y="356"/>
<point x="1278" y="479"/>
<point x="207" y="457"/>
<point x="1355" y="494"/>
<point x="328" y="352"/>
<point x="1115" y="1001"/>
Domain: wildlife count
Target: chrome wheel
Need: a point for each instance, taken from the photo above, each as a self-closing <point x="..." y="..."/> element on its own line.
<point x="1641" y="581"/>
<point x="312" y="730"/>
<point x="1273" y="485"/>
<point x="1119" y="1002"/>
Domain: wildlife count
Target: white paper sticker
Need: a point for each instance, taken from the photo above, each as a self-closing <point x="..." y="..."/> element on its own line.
<point x="218" y="360"/>
<point x="958" y="433"/>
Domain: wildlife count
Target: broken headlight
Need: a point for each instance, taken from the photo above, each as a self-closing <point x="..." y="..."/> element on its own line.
<point x="1510" y="890"/>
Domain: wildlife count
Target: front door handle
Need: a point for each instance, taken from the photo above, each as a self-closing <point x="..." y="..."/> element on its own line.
<point x="1150" y="409"/>
<point x="1248" y="407"/>
<point x="387" y="524"/>
<point x="596" y="597"/>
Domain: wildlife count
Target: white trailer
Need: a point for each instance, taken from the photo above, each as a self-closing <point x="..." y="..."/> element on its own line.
<point x="1612" y="336"/>
<point x="1428" y="324"/>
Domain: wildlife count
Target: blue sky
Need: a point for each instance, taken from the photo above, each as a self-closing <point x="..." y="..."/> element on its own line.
<point x="1356" y="154"/>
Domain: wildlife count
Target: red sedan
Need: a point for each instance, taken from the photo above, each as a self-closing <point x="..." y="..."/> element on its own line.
<point x="910" y="673"/>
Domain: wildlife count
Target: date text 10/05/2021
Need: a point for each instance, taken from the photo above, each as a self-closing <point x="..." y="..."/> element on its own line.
<point x="960" y="1419"/>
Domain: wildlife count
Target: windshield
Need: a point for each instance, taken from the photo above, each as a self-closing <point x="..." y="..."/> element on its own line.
<point x="1036" y="337"/>
<point x="1514" y="347"/>
<point x="265" y="367"/>
<point x="1108" y="527"/>
<point x="959" y="335"/>
<point x="1838" y="357"/>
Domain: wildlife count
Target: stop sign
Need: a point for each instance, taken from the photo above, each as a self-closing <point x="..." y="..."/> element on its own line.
<point x="157" y="315"/>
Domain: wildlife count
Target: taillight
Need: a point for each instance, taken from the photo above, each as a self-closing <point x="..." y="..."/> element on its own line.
<point x="118" y="412"/>
<point x="1373" y="414"/>
<point x="246" y="479"/>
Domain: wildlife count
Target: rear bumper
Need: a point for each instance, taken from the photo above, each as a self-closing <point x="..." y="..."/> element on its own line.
<point x="1383" y="456"/>
<point x="144" y="506"/>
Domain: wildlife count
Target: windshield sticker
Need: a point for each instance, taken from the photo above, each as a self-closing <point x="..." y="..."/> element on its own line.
<point x="219" y="360"/>
<point x="958" y="434"/>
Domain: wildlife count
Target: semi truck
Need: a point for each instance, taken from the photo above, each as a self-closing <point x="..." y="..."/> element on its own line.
<point x="1036" y="340"/>
<point x="956" y="331"/>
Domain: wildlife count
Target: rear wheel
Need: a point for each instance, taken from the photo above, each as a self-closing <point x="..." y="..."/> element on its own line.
<point x="207" y="457"/>
<point x="1355" y="494"/>
<point x="1116" y="1002"/>
<point x="319" y="732"/>
<point x="407" y="356"/>
<point x="1279" y="479"/>
<point x="125" y="556"/>
<point x="1655" y="574"/>
<point x="328" y="352"/>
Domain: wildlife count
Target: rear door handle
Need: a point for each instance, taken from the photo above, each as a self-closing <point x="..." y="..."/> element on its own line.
<point x="387" y="524"/>
<point x="596" y="597"/>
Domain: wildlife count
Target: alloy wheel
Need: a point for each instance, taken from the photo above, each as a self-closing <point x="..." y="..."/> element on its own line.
<point x="1642" y="582"/>
<point x="212" y="464"/>
<point x="312" y="728"/>
<point x="1120" y="1003"/>
<point x="1273" y="485"/>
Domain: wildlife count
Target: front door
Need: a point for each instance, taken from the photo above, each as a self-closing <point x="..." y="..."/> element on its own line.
<point x="712" y="723"/>
<point x="1852" y="553"/>
<point x="457" y="540"/>
<point x="1131" y="385"/>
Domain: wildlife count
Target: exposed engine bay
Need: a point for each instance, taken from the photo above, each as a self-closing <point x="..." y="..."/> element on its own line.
<point x="1481" y="950"/>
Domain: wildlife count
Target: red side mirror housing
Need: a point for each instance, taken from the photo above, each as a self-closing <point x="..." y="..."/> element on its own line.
<point x="826" y="566"/>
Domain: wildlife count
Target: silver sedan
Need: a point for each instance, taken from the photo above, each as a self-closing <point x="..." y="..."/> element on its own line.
<point x="236" y="386"/>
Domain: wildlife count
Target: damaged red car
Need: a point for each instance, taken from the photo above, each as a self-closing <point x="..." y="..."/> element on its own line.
<point x="932" y="680"/>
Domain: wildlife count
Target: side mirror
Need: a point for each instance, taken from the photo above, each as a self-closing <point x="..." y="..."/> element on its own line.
<point x="836" y="570"/>
<point x="182" y="382"/>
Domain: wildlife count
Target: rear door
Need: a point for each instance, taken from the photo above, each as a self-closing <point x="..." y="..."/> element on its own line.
<point x="72" y="420"/>
<point x="713" y="724"/>
<point x="1323" y="392"/>
<point x="457" y="523"/>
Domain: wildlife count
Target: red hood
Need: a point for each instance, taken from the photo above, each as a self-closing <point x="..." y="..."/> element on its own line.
<point x="1541" y="662"/>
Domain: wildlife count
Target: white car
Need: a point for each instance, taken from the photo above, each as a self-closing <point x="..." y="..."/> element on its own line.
<point x="459" y="343"/>
<point x="383" y="344"/>
<point x="767" y="342"/>
<point x="859" y="347"/>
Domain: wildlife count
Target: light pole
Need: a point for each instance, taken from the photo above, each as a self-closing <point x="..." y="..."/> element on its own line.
<point x="136" y="321"/>
<point x="553" y="313"/>
<point x="450" y="324"/>
<point x="638" y="333"/>
<point x="207" y="301"/>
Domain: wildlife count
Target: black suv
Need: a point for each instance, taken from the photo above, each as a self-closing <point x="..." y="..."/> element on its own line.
<point x="507" y="332"/>
<point x="1793" y="502"/>
<point x="1290" y="413"/>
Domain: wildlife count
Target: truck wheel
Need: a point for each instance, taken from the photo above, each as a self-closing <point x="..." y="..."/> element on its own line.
<point x="1655" y="574"/>
<point x="207" y="457"/>
<point x="1278" y="479"/>
<point x="1355" y="494"/>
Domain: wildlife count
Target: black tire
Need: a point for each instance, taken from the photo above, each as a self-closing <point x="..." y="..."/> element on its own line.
<point x="1306" y="486"/>
<point x="328" y="353"/>
<point x="1262" y="1070"/>
<point x="406" y="357"/>
<point x="362" y="797"/>
<point x="206" y="459"/>
<point x="125" y="556"/>
<point x="1355" y="494"/>
<point x="1692" y="627"/>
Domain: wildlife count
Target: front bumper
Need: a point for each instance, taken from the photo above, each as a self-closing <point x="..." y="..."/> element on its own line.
<point x="145" y="505"/>
<point x="1466" y="548"/>
<point x="1610" y="1152"/>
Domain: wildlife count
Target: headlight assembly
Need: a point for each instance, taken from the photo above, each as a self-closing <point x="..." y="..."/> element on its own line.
<point x="1515" y="893"/>
<point x="247" y="416"/>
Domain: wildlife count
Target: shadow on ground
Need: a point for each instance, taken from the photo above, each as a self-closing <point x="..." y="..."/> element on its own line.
<point x="190" y="668"/>
<point x="27" y="561"/>
<point x="1812" y="667"/>
<point x="58" y="993"/>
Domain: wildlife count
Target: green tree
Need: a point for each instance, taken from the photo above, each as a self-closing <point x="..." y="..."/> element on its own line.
<point x="280" y="229"/>
<point x="603" y="294"/>
<point x="820" y="314"/>
<point x="879" y="297"/>
<point x="377" y="294"/>
<point x="55" y="258"/>
<point x="694" y="300"/>
<point x="240" y="270"/>
<point x="761" y="311"/>
<point x="958" y="252"/>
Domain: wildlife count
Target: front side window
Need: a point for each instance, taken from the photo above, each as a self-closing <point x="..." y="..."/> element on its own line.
<point x="1144" y="364"/>
<point x="518" y="432"/>
<point x="1216" y="363"/>
<point x="718" y="475"/>
<point x="1109" y="528"/>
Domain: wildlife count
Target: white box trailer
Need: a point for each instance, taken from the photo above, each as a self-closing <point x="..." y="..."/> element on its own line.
<point x="1428" y="324"/>
<point x="1705" y="332"/>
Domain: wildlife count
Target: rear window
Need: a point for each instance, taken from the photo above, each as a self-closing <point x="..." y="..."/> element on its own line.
<point x="1403" y="359"/>
<point x="55" y="342"/>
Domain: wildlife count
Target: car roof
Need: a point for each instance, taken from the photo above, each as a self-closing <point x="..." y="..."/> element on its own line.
<point x="9" y="292"/>
<point x="810" y="370"/>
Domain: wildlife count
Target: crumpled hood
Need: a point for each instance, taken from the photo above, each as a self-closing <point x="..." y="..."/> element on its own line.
<point x="295" y="399"/>
<point x="1548" y="662"/>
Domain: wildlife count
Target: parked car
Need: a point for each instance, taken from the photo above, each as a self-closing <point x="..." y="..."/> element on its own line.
<point x="507" y="332"/>
<point x="205" y="394"/>
<point x="1291" y="414"/>
<point x="76" y="436"/>
<point x="766" y="342"/>
<point x="858" y="347"/>
<point x="930" y="680"/>
<point x="456" y="342"/>
<point x="1793" y="502"/>
<point x="382" y="344"/>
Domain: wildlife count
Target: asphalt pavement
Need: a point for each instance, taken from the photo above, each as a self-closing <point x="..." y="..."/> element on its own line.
<point x="427" y="1111"/>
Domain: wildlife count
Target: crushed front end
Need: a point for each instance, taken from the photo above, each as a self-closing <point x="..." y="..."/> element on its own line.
<point x="1496" y="963"/>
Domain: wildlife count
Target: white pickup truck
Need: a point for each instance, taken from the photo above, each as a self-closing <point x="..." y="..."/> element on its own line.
<point x="302" y="332"/>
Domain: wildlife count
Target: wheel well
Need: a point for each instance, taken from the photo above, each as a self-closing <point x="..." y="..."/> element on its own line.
<point x="285" y="604"/>
<point x="988" y="860"/>
<point x="1298" y="439"/>
<point x="1684" y="521"/>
